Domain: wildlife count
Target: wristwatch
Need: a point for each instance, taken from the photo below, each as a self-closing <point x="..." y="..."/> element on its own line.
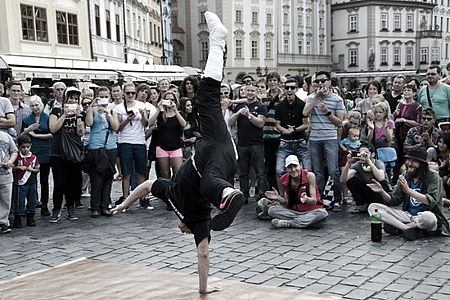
<point x="250" y="116"/>
<point x="328" y="113"/>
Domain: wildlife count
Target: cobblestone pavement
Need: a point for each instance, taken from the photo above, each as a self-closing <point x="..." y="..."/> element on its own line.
<point x="339" y="259"/>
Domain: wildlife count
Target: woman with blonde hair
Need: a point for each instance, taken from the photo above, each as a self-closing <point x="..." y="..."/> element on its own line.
<point x="170" y="124"/>
<point x="36" y="125"/>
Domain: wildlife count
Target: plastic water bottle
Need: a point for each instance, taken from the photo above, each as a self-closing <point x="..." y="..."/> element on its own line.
<point x="375" y="222"/>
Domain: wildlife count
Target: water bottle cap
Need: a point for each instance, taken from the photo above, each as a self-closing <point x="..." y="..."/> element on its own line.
<point x="376" y="209"/>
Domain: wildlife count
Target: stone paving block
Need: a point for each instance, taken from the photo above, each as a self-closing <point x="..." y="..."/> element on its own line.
<point x="244" y="275"/>
<point x="415" y="295"/>
<point x="367" y="272"/>
<point x="438" y="296"/>
<point x="399" y="287"/>
<point x="301" y="269"/>
<point x="317" y="263"/>
<point x="258" y="279"/>
<point x="328" y="268"/>
<point x="385" y="277"/>
<point x="276" y="282"/>
<point x="341" y="289"/>
<point x="300" y="283"/>
<point x="445" y="290"/>
<point x="360" y="294"/>
<point x="235" y="269"/>
<point x="316" y="288"/>
<point x="353" y="267"/>
<point x="426" y="289"/>
<point x="289" y="264"/>
<point x="315" y="274"/>
<point x="354" y="280"/>
<point x="383" y="295"/>
<point x="341" y="273"/>
<point x="373" y="286"/>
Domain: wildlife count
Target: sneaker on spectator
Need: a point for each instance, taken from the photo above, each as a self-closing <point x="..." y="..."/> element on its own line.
<point x="44" y="211"/>
<point x="145" y="204"/>
<point x="4" y="229"/>
<point x="85" y="195"/>
<point x="71" y="214"/>
<point x="118" y="177"/>
<point x="281" y="223"/>
<point x="118" y="202"/>
<point x="79" y="205"/>
<point x="336" y="207"/>
<point x="56" y="216"/>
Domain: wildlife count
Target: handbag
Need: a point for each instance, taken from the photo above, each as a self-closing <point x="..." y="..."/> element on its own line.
<point x="70" y="148"/>
<point x="97" y="160"/>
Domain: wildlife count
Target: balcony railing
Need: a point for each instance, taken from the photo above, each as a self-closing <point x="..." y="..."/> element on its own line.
<point x="429" y="34"/>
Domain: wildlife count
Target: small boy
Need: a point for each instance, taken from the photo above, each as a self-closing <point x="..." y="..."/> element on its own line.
<point x="352" y="142"/>
<point x="26" y="167"/>
<point x="8" y="154"/>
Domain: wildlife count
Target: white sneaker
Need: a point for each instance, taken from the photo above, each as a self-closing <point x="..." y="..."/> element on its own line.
<point x="281" y="223"/>
<point x="252" y="192"/>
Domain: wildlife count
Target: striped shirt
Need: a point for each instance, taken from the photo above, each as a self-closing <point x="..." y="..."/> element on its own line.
<point x="321" y="127"/>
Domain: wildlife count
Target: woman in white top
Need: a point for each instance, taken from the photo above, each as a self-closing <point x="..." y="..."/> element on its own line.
<point x="132" y="117"/>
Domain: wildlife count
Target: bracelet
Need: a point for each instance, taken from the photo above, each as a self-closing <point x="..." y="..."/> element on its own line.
<point x="328" y="113"/>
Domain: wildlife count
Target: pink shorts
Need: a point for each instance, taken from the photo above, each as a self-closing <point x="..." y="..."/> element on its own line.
<point x="164" y="153"/>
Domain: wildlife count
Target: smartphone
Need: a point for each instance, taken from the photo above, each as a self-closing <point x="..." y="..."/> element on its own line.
<point x="166" y="102"/>
<point x="72" y="106"/>
<point x="130" y="113"/>
<point x="103" y="101"/>
<point x="356" y="153"/>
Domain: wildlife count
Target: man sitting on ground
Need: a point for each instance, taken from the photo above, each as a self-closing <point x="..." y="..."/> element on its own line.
<point x="357" y="175"/>
<point x="302" y="206"/>
<point x="419" y="190"/>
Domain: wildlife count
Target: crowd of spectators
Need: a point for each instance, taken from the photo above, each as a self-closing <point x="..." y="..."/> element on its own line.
<point x="293" y="135"/>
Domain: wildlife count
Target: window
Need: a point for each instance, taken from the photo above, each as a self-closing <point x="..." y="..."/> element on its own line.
<point x="159" y="35"/>
<point x="29" y="24"/>
<point x="448" y="23"/>
<point x="139" y="28"/>
<point x="308" y="20"/>
<point x="268" y="49"/>
<point x="151" y="31"/>
<point x="134" y="25"/>
<point x="308" y="47"/>
<point x="108" y="24"/>
<point x="40" y="18"/>
<point x="397" y="22"/>
<point x="446" y="50"/>
<point x="409" y="56"/>
<point x="435" y="54"/>
<point x="269" y="19"/>
<point x="128" y="19"/>
<point x="174" y="21"/>
<point x="423" y="55"/>
<point x="202" y="17"/>
<point x="255" y="17"/>
<point x="300" y="20"/>
<point x="61" y="27"/>
<point x="239" y="16"/>
<point x="204" y="51"/>
<point x="286" y="46"/>
<point x="396" y="56"/>
<point x="154" y="33"/>
<point x="384" y="56"/>
<point x="238" y="46"/>
<point x="353" y="57"/>
<point x="72" y="21"/>
<point x="320" y="22"/>
<point x="409" y="22"/>
<point x="285" y="18"/>
<point x="384" y="21"/>
<point x="300" y="47"/>
<point x="321" y="48"/>
<point x="97" y="20"/>
<point x="254" y="49"/>
<point x="353" y="23"/>
<point x="118" y="28"/>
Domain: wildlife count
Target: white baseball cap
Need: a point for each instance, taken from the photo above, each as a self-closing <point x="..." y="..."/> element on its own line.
<point x="291" y="160"/>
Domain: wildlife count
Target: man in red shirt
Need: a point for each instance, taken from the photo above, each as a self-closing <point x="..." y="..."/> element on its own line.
<point x="301" y="205"/>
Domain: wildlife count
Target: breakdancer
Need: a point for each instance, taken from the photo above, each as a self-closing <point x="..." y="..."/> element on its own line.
<point x="202" y="179"/>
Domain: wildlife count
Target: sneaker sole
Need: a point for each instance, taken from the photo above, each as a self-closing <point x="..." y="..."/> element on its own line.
<point x="224" y="218"/>
<point x="54" y="220"/>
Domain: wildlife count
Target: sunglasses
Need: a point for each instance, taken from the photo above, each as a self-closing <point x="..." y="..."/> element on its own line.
<point x="252" y="83"/>
<point x="290" y="87"/>
<point x="130" y="93"/>
<point x="224" y="93"/>
<point x="323" y="80"/>
<point x="427" y="118"/>
<point x="432" y="74"/>
<point x="87" y="103"/>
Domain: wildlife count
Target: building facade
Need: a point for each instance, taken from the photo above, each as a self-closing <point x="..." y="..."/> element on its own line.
<point x="304" y="40"/>
<point x="107" y="30"/>
<point x="166" y="9"/>
<point x="143" y="31"/>
<point x="380" y="39"/>
<point x="441" y="22"/>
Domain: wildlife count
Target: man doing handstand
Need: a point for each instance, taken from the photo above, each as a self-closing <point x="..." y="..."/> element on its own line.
<point x="202" y="179"/>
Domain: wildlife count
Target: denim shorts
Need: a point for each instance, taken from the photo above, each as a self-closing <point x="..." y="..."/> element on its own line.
<point x="132" y="154"/>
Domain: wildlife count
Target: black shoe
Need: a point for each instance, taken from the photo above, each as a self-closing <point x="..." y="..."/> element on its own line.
<point x="228" y="210"/>
<point x="412" y="234"/>
<point x="120" y="201"/>
<point x="391" y="229"/>
<point x="30" y="220"/>
<point x="38" y="204"/>
<point x="17" y="223"/>
<point x="4" y="229"/>
<point x="44" y="211"/>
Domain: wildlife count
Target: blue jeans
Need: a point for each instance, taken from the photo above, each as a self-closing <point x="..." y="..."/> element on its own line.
<point x="299" y="148"/>
<point x="247" y="155"/>
<point x="29" y="192"/>
<point x="326" y="151"/>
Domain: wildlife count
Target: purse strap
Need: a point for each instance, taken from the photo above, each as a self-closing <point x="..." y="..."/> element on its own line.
<point x="428" y="97"/>
<point x="107" y="133"/>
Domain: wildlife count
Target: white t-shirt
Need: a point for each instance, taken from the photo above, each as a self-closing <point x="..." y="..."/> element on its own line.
<point x="151" y="110"/>
<point x="133" y="132"/>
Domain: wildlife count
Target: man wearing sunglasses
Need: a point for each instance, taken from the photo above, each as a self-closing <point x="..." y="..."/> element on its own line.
<point x="436" y="95"/>
<point x="327" y="113"/>
<point x="425" y="134"/>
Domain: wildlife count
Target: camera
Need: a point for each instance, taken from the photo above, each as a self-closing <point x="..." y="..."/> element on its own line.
<point x="356" y="153"/>
<point x="166" y="102"/>
<point x="103" y="101"/>
<point x="72" y="106"/>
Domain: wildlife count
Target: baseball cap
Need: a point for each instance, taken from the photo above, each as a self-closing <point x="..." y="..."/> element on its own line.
<point x="291" y="160"/>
